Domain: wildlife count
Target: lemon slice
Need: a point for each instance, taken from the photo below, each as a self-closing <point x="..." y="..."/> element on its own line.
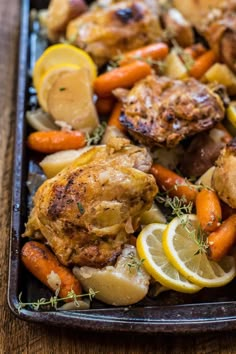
<point x="49" y="78"/>
<point x="60" y="54"/>
<point x="231" y="113"/>
<point x="182" y="249"/>
<point x="149" y="248"/>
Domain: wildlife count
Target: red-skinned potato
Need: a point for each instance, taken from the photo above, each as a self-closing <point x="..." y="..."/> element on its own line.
<point x="60" y="13"/>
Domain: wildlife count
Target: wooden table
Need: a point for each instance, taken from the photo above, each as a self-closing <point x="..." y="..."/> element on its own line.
<point x="20" y="337"/>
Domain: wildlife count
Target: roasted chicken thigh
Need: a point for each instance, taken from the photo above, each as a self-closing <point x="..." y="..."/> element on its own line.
<point x="219" y="29"/>
<point x="163" y="111"/>
<point x="224" y="176"/>
<point x="106" y="32"/>
<point x="87" y="212"/>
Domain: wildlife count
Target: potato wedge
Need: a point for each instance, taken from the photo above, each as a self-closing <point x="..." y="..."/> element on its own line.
<point x="60" y="12"/>
<point x="153" y="215"/>
<point x="206" y="179"/>
<point x="70" y="100"/>
<point x="221" y="74"/>
<point x="123" y="284"/>
<point x="54" y="163"/>
<point x="175" y="68"/>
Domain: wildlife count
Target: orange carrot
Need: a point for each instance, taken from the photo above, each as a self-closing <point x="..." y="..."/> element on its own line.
<point x="174" y="184"/>
<point x="202" y="64"/>
<point x="208" y="210"/>
<point x="105" y="105"/>
<point x="221" y="240"/>
<point x="114" y="118"/>
<point x="156" y="51"/>
<point x="227" y="137"/>
<point x="195" y="50"/>
<point x="42" y="263"/>
<point x="124" y="77"/>
<point x="55" y="140"/>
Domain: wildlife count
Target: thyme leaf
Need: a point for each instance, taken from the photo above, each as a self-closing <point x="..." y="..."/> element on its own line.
<point x="81" y="208"/>
<point x="198" y="235"/>
<point x="177" y="205"/>
<point x="96" y="135"/>
<point x="134" y="262"/>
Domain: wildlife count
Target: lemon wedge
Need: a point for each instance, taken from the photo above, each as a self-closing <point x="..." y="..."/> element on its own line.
<point x="182" y="247"/>
<point x="60" y="54"/>
<point x="49" y="78"/>
<point x="149" y="248"/>
<point x="231" y="113"/>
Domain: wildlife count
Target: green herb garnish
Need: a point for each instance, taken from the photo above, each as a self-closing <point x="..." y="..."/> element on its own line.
<point x="81" y="208"/>
<point x="53" y="301"/>
<point x="96" y="135"/>
<point x="134" y="262"/>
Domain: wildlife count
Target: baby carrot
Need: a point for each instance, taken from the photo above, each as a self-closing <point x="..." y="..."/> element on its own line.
<point x="156" y="51"/>
<point x="202" y="64"/>
<point x="55" y="140"/>
<point x="174" y="184"/>
<point x="124" y="77"/>
<point x="114" y="118"/>
<point x="105" y="105"/>
<point x="208" y="210"/>
<point x="222" y="239"/>
<point x="42" y="263"/>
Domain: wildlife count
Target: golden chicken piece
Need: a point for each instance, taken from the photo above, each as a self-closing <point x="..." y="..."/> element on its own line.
<point x="216" y="21"/>
<point x="162" y="111"/>
<point x="224" y="175"/>
<point x="60" y="13"/>
<point x="107" y="32"/>
<point x="219" y="29"/>
<point x="87" y="212"/>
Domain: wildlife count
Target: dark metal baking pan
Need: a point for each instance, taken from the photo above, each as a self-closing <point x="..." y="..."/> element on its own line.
<point x="209" y="310"/>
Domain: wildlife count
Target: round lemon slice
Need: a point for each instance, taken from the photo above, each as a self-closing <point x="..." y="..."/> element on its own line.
<point x="49" y="78"/>
<point x="184" y="247"/>
<point x="149" y="248"/>
<point x="60" y="54"/>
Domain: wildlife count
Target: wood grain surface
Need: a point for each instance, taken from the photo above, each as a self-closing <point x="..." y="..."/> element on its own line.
<point x="20" y="337"/>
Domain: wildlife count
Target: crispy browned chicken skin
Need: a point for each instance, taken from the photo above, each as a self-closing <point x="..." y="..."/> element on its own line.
<point x="106" y="32"/>
<point x="87" y="212"/>
<point x="163" y="111"/>
<point x="219" y="29"/>
<point x="224" y="176"/>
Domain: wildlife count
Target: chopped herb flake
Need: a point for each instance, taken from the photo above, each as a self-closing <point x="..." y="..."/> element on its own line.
<point x="81" y="208"/>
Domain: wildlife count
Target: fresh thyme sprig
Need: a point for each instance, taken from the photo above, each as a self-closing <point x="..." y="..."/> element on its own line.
<point x="53" y="301"/>
<point x="134" y="262"/>
<point x="177" y="205"/>
<point x="198" y="235"/>
<point x="96" y="135"/>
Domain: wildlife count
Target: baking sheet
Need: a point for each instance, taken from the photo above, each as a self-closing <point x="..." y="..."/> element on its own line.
<point x="171" y="312"/>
